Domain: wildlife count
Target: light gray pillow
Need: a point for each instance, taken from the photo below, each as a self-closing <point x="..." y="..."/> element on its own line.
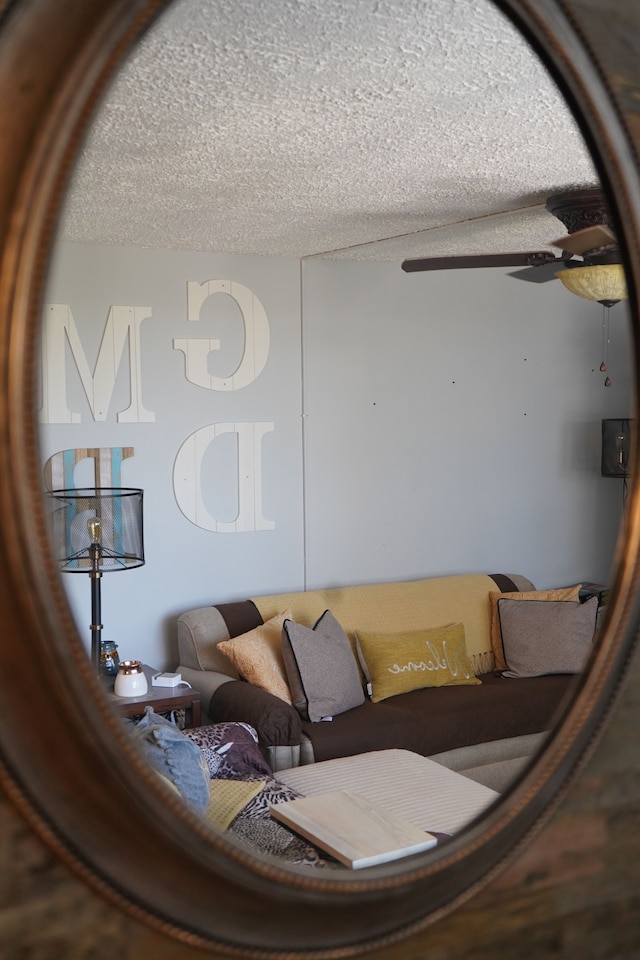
<point x="546" y="636"/>
<point x="323" y="675"/>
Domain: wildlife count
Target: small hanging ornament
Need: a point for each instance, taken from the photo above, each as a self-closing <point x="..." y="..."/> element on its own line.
<point x="603" y="367"/>
<point x="607" y="382"/>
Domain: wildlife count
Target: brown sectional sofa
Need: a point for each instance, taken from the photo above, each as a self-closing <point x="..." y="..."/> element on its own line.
<point x="488" y="730"/>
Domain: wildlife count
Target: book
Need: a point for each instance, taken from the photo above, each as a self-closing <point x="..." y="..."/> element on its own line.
<point x="355" y="831"/>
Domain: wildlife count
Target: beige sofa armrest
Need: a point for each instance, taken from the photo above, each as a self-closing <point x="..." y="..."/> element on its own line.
<point x="199" y="633"/>
<point x="206" y="682"/>
<point x="201" y="663"/>
<point x="283" y="758"/>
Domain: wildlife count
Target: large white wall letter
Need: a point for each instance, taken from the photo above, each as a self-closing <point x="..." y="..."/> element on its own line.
<point x="187" y="479"/>
<point x="107" y="466"/>
<point x="256" y="337"/>
<point x="123" y="323"/>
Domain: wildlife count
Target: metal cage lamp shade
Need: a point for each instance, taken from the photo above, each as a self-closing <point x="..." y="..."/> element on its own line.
<point x="95" y="531"/>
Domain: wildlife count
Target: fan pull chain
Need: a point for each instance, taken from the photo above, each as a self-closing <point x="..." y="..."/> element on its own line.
<point x="605" y="343"/>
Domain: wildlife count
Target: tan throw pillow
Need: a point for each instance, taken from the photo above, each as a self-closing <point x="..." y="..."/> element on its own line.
<point x="400" y="662"/>
<point x="542" y="637"/>
<point x="257" y="656"/>
<point x="561" y="593"/>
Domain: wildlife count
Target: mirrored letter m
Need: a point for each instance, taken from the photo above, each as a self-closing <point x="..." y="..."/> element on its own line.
<point x="123" y="325"/>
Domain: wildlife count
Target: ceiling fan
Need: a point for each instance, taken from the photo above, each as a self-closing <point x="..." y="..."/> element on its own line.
<point x="589" y="265"/>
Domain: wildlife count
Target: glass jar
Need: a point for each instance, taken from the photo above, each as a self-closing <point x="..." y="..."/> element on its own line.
<point x="131" y="680"/>
<point x="109" y="659"/>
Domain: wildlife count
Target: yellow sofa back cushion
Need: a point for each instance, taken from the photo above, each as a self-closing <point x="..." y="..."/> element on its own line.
<point x="400" y="608"/>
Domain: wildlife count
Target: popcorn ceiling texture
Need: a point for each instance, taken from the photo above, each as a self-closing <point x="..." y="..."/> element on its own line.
<point x="322" y="127"/>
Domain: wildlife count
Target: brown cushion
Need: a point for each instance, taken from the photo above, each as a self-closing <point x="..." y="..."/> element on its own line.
<point x="371" y="726"/>
<point x="443" y="718"/>
<point x="561" y="593"/>
<point x="323" y="675"/>
<point x="257" y="656"/>
<point x="398" y="662"/>
<point x="545" y="636"/>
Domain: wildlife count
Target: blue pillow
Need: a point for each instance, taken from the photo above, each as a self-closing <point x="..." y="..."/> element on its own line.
<point x="174" y="756"/>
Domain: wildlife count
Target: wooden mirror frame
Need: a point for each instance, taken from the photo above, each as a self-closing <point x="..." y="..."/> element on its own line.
<point x="65" y="761"/>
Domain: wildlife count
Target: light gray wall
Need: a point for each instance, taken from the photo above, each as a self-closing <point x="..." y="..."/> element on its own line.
<point x="453" y="423"/>
<point x="423" y="424"/>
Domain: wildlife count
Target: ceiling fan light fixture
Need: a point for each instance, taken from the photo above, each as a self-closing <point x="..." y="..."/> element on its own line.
<point x="604" y="282"/>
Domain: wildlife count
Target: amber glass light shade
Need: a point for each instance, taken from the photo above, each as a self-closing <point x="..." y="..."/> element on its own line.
<point x="602" y="282"/>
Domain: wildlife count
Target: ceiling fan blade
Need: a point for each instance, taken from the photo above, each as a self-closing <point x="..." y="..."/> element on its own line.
<point x="545" y="272"/>
<point x="530" y="259"/>
<point x="590" y="238"/>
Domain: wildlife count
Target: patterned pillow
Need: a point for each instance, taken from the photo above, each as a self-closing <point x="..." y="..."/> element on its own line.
<point x="257" y="656"/>
<point x="562" y="593"/>
<point x="322" y="671"/>
<point x="542" y="637"/>
<point x="400" y="662"/>
<point x="231" y="751"/>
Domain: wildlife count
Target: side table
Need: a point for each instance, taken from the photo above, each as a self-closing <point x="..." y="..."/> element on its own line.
<point x="162" y="699"/>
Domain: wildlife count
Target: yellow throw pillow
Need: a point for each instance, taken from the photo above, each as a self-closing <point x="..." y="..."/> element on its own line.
<point x="400" y="662"/>
<point x="257" y="656"/>
<point x="562" y="593"/>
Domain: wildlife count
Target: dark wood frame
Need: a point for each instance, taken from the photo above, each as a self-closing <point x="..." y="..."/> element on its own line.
<point x="66" y="764"/>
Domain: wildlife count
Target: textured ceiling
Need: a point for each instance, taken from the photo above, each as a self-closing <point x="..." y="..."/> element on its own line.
<point x="371" y="129"/>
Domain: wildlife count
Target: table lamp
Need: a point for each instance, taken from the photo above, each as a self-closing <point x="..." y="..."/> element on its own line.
<point x="95" y="531"/>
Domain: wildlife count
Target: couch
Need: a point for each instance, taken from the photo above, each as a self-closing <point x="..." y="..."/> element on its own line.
<point x="485" y="723"/>
<point x="220" y="773"/>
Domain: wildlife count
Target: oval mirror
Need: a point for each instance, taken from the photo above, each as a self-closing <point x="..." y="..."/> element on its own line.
<point x="200" y="884"/>
<point x="418" y="396"/>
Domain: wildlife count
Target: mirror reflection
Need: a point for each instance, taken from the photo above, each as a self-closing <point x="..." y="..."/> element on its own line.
<point x="360" y="451"/>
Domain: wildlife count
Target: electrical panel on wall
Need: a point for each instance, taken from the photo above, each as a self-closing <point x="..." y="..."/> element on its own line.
<point x="616" y="447"/>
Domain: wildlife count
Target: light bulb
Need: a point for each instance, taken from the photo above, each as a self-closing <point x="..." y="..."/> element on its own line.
<point x="94" y="526"/>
